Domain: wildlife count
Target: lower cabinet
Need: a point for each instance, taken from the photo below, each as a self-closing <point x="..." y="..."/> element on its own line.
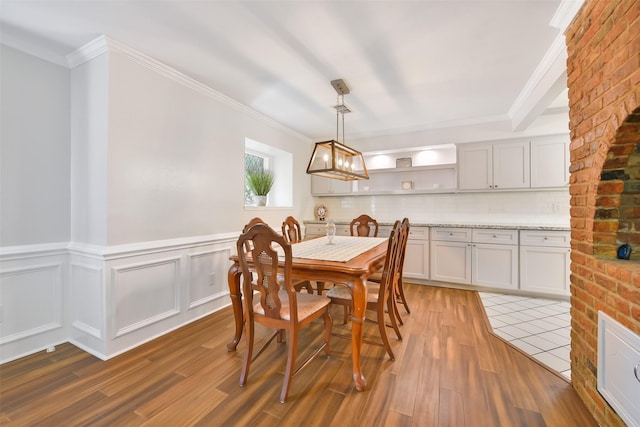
<point x="483" y="257"/>
<point x="494" y="258"/>
<point x="530" y="260"/>
<point x="451" y="255"/>
<point x="416" y="258"/>
<point x="545" y="258"/>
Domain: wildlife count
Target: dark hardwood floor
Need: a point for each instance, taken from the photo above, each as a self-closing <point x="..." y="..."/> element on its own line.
<point x="449" y="371"/>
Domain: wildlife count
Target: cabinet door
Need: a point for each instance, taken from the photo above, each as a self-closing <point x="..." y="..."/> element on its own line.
<point x="545" y="269"/>
<point x="550" y="163"/>
<point x="451" y="261"/>
<point x="475" y="165"/>
<point x="343" y="230"/>
<point x="511" y="168"/>
<point x="495" y="265"/>
<point x="416" y="259"/>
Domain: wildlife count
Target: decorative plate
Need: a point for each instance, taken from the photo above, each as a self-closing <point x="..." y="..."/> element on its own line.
<point x="321" y="212"/>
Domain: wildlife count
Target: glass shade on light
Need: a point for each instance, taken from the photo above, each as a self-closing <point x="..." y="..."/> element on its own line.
<point x="332" y="159"/>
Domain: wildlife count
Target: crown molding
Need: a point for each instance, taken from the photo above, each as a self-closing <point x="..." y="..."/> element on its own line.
<point x="105" y="44"/>
<point x="557" y="52"/>
<point x="565" y="14"/>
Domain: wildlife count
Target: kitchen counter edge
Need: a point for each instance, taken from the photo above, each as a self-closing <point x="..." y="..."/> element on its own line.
<point x="542" y="227"/>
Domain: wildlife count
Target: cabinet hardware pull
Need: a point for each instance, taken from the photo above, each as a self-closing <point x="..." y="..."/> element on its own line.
<point x="636" y="371"/>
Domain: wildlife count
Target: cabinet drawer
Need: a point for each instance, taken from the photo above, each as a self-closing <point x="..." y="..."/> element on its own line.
<point x="314" y="230"/>
<point x="384" y="230"/>
<point x="451" y="234"/>
<point x="342" y="230"/>
<point x="419" y="233"/>
<point x="488" y="235"/>
<point x="560" y="239"/>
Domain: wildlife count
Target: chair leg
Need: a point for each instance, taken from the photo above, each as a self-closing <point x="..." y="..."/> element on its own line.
<point x="383" y="331"/>
<point x="248" y="353"/>
<point x="402" y="297"/>
<point x="396" y="295"/>
<point x="396" y="312"/>
<point x="291" y="362"/>
<point x="392" y="309"/>
<point x="328" y="324"/>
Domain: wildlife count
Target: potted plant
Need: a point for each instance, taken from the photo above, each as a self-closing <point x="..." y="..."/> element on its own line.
<point x="260" y="182"/>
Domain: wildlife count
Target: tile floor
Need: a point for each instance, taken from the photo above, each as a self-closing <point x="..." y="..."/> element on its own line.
<point x="540" y="327"/>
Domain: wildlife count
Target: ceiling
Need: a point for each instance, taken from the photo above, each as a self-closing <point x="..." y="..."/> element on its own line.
<point x="410" y="65"/>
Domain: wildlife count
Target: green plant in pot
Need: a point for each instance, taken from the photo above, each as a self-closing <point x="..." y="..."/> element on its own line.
<point x="260" y="182"/>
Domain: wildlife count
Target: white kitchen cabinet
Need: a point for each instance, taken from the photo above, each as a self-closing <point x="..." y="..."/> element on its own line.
<point x="416" y="258"/>
<point x="483" y="257"/>
<point x="322" y="186"/>
<point x="550" y="162"/>
<point x="494" y="258"/>
<point x="545" y="258"/>
<point x="450" y="254"/>
<point x="492" y="166"/>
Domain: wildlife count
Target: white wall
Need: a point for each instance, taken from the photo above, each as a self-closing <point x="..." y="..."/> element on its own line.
<point x="176" y="158"/>
<point x="34" y="155"/>
<point x="122" y="197"/>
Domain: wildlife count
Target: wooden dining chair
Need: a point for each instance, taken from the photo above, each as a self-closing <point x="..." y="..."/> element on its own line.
<point x="401" y="297"/>
<point x="292" y="233"/>
<point x="364" y="226"/>
<point x="270" y="299"/>
<point x="398" y="288"/>
<point x="380" y="296"/>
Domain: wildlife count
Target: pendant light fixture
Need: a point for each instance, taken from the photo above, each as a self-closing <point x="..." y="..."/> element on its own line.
<point x="332" y="159"/>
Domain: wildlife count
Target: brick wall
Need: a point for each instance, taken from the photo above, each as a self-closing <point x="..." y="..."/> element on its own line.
<point x="603" y="67"/>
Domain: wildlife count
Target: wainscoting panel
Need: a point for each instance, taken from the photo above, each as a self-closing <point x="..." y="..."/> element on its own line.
<point x="31" y="301"/>
<point x="144" y="294"/>
<point x="207" y="276"/>
<point x="108" y="300"/>
<point x="87" y="299"/>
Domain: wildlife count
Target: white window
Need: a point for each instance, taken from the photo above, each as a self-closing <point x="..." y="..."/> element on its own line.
<point x="259" y="156"/>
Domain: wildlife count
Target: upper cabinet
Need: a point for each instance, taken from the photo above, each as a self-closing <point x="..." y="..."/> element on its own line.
<point x="540" y="163"/>
<point x="490" y="166"/>
<point x="550" y="162"/>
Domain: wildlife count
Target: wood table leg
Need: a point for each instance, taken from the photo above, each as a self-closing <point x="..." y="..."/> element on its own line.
<point x="357" y="324"/>
<point x="233" y="278"/>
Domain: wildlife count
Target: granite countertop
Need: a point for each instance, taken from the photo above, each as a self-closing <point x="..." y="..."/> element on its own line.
<point x="479" y="224"/>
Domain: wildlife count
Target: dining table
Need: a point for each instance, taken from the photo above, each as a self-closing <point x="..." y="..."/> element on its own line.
<point x="346" y="260"/>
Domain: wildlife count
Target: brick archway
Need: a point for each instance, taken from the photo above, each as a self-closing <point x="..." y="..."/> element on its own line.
<point x="603" y="74"/>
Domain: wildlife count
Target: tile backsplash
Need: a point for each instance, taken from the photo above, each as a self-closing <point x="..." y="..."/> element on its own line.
<point x="517" y="207"/>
